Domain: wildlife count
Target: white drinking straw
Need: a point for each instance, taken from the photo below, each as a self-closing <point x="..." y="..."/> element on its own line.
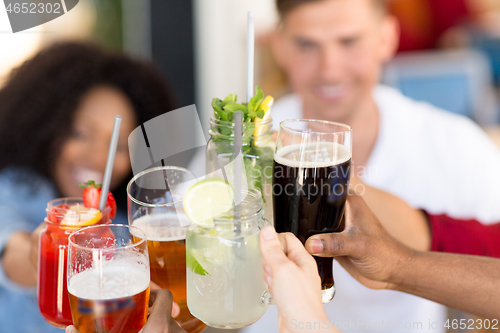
<point x="110" y="162"/>
<point x="250" y="55"/>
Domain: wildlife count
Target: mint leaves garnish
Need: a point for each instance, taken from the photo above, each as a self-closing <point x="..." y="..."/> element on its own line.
<point x="224" y="109"/>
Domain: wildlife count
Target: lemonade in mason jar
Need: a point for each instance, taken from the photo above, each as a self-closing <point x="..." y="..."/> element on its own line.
<point x="225" y="284"/>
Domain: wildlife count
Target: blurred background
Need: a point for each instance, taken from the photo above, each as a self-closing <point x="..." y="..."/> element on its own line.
<point x="449" y="54"/>
<point x="199" y="45"/>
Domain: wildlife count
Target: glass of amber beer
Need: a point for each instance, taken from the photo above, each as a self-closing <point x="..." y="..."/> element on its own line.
<point x="108" y="279"/>
<point x="155" y="206"/>
<point x="312" y="168"/>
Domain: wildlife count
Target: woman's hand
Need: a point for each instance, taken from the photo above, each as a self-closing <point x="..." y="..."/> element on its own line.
<point x="17" y="259"/>
<point x="292" y="276"/>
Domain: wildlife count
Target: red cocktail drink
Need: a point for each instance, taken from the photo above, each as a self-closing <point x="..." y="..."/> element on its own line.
<point x="63" y="217"/>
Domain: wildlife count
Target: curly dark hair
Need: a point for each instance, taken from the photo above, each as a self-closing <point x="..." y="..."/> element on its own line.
<point x="39" y="101"/>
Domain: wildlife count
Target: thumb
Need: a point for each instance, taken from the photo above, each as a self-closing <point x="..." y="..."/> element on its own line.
<point x="160" y="312"/>
<point x="71" y="329"/>
<point x="270" y="247"/>
<point x="329" y="245"/>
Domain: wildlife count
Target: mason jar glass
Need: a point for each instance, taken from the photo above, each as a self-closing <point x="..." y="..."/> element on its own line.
<point x="225" y="283"/>
<point x="257" y="150"/>
<point x="52" y="289"/>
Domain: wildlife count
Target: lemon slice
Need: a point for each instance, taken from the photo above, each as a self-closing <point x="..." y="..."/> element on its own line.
<point x="266" y="103"/>
<point x="79" y="216"/>
<point x="194" y="264"/>
<point x="205" y="261"/>
<point x="207" y="199"/>
<point x="264" y="124"/>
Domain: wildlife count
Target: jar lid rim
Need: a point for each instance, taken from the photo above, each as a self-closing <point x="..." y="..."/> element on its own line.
<point x="251" y="206"/>
<point x="219" y="122"/>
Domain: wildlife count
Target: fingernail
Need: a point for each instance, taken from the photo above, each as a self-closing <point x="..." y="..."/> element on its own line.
<point x="68" y="329"/>
<point x="317" y="246"/>
<point x="268" y="233"/>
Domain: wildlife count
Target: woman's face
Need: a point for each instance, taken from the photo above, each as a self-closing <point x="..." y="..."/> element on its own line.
<point x="83" y="156"/>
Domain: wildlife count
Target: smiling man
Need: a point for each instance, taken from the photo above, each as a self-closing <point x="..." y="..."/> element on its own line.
<point x="333" y="52"/>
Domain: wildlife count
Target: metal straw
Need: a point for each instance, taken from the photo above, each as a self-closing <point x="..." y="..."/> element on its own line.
<point x="250" y="55"/>
<point x="238" y="119"/>
<point x="238" y="131"/>
<point x="110" y="162"/>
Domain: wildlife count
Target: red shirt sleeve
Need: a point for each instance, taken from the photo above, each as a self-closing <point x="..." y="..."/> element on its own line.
<point x="464" y="236"/>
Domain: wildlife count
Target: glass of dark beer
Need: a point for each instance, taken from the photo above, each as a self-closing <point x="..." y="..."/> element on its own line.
<point x="312" y="168"/>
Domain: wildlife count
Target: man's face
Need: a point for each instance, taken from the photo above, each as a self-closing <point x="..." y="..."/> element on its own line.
<point x="333" y="52"/>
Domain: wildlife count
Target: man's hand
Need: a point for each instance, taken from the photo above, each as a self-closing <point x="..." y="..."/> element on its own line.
<point x="364" y="248"/>
<point x="292" y="277"/>
<point x="161" y="318"/>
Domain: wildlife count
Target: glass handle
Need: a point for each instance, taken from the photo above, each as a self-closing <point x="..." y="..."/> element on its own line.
<point x="267" y="298"/>
<point x="262" y="223"/>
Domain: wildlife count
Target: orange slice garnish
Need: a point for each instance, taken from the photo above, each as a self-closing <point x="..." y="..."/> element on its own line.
<point x="79" y="216"/>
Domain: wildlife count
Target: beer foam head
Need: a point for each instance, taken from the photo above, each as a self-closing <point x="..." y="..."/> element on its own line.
<point x="114" y="279"/>
<point x="162" y="227"/>
<point x="313" y="155"/>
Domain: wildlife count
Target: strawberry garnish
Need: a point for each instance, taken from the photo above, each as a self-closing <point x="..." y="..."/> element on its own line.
<point x="92" y="195"/>
<point x="111" y="202"/>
